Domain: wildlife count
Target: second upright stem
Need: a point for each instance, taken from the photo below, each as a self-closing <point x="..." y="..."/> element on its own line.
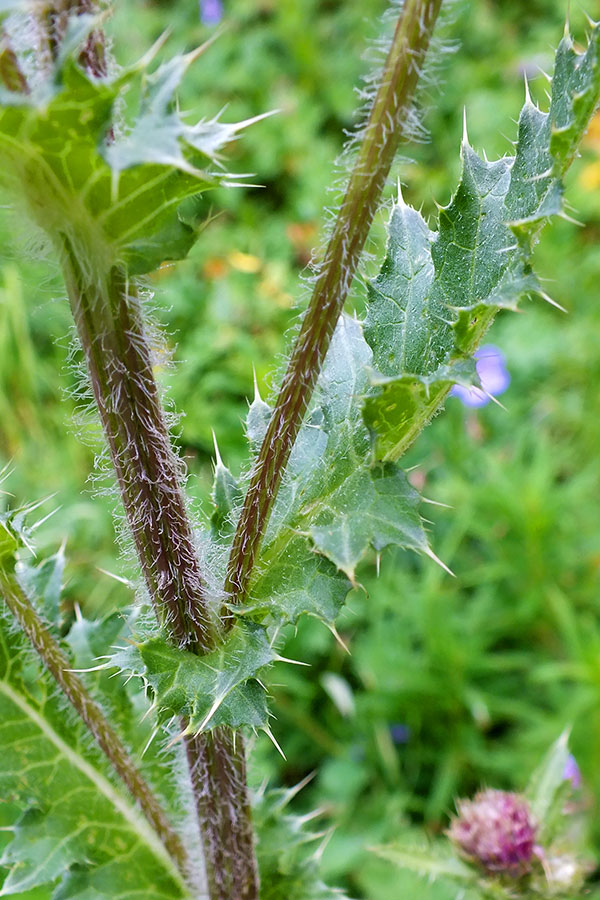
<point x="383" y="132"/>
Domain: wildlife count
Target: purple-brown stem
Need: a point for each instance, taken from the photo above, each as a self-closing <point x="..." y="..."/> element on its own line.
<point x="110" y="327"/>
<point x="109" y="323"/>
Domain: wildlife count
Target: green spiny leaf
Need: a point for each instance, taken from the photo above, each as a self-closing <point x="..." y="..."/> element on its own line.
<point x="289" y="871"/>
<point x="438" y="291"/>
<point x="575" y="89"/>
<point x="298" y="582"/>
<point x="434" y="861"/>
<point x="44" y="582"/>
<point x="336" y="500"/>
<point x="226" y="497"/>
<point x="124" y="195"/>
<point x="77" y="830"/>
<point x="218" y="688"/>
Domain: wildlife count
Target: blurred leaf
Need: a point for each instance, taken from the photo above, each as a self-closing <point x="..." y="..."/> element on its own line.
<point x="548" y="790"/>
<point x="431" y="863"/>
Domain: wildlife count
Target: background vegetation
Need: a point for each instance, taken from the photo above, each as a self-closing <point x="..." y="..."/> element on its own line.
<point x="450" y="683"/>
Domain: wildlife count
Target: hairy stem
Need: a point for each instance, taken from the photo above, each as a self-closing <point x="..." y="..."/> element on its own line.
<point x="53" y="18"/>
<point x="383" y="132"/>
<point x="110" y="326"/>
<point x="107" y="739"/>
<point x="217" y="759"/>
<point x="109" y="323"/>
<point x="11" y="75"/>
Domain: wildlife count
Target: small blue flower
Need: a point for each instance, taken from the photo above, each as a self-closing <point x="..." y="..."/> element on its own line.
<point x="493" y="374"/>
<point x="400" y="733"/>
<point x="211" y="11"/>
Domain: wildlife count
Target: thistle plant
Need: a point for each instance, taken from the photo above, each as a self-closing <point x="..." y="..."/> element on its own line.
<point x="131" y="779"/>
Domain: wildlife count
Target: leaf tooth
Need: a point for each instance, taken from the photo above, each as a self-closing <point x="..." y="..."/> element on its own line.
<point x="400" y="201"/>
<point x="465" y="134"/>
<point x="289" y="794"/>
<point x="327" y="835"/>
<point x="429" y="552"/>
<point x="237" y="126"/>
<point x="528" y="100"/>
<point x="273" y="740"/>
<point x="178" y="737"/>
<point x="218" y="459"/>
<point x="492" y="398"/>
<point x="593" y="24"/>
<point x="45" y="518"/>
<point x="125" y="581"/>
<point x="549" y="300"/>
<point x="338" y="637"/>
<point x="436" y="503"/>
<point x="257" y="397"/>
<point x="149" y="741"/>
<point x="564" y="215"/>
<point x="293" y="662"/>
<point x="193" y="55"/>
<point x="150" y="55"/>
<point x="216" y="704"/>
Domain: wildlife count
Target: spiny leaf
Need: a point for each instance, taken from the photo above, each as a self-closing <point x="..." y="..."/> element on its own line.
<point x="124" y="195"/>
<point x="575" y="89"/>
<point x="548" y="790"/>
<point x="44" y="582"/>
<point x="219" y="688"/>
<point x="226" y="497"/>
<point x="297" y="582"/>
<point x="438" y="291"/>
<point x="431" y="862"/>
<point x="288" y="868"/>
<point x="335" y="502"/>
<point x="77" y="830"/>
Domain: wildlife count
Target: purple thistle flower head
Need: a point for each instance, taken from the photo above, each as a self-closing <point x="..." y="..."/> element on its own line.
<point x="493" y="374"/>
<point x="496" y="830"/>
<point x="211" y="12"/>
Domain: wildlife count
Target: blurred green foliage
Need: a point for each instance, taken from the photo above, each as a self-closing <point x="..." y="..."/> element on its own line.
<point x="482" y="671"/>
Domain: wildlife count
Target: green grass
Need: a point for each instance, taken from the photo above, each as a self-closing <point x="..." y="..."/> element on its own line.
<point x="485" y="669"/>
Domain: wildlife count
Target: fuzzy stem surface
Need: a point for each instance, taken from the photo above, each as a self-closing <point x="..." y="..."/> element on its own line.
<point x="217" y="764"/>
<point x="110" y="326"/>
<point x="382" y="135"/>
<point x="86" y="707"/>
<point x="109" y="323"/>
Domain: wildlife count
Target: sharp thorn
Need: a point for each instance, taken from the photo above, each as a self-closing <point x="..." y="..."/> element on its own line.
<point x="218" y="460"/>
<point x="429" y="552"/>
<point x="271" y="737"/>
<point x="552" y="302"/>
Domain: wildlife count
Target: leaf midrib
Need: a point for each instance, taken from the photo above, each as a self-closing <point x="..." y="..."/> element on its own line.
<point x="102" y="784"/>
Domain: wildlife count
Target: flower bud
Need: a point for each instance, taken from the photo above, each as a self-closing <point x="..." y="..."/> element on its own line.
<point x="496" y="829"/>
